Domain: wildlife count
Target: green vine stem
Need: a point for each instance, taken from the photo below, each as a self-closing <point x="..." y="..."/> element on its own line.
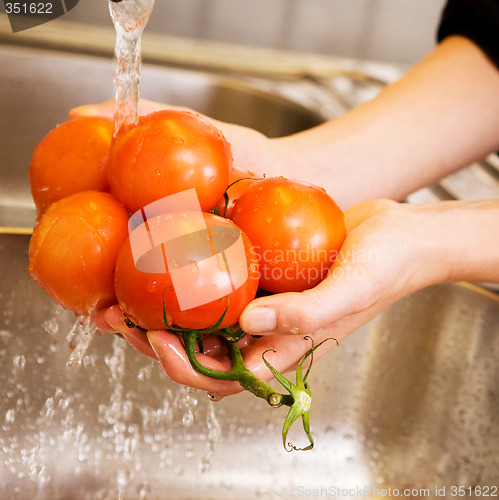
<point x="238" y="373"/>
<point x="299" y="398"/>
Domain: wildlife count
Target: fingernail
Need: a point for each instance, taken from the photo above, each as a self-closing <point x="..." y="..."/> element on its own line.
<point x="261" y="319"/>
<point x="155" y="343"/>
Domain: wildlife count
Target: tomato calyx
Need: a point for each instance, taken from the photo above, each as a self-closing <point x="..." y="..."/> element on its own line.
<point x="301" y="395"/>
<point x="198" y="333"/>
<point x="226" y="195"/>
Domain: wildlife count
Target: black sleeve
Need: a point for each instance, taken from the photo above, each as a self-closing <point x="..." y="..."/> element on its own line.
<point x="477" y="20"/>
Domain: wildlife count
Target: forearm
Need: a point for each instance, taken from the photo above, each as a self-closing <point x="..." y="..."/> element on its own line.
<point x="439" y="117"/>
<point x="461" y="240"/>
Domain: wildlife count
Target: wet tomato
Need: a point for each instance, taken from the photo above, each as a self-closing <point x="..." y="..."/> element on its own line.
<point x="71" y="158"/>
<point x="296" y="228"/>
<point x="201" y="265"/>
<point x="167" y="152"/>
<point x="74" y="248"/>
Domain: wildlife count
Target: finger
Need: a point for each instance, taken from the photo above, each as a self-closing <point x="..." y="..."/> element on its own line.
<point x="112" y="320"/>
<point x="342" y="293"/>
<point x="135" y="337"/>
<point x="101" y="323"/>
<point x="175" y="363"/>
<point x="214" y="345"/>
<point x="106" y="109"/>
<point x="282" y="352"/>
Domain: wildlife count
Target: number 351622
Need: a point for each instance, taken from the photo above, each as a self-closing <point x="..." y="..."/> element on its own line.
<point x="29" y="8"/>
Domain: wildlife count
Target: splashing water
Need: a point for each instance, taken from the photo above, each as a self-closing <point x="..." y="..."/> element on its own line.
<point x="80" y="336"/>
<point x="129" y="18"/>
<point x="115" y="424"/>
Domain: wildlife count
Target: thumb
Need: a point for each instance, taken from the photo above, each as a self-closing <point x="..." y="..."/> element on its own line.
<point x="342" y="294"/>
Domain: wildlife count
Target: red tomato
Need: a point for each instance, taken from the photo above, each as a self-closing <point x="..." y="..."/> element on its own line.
<point x="195" y="275"/>
<point x="167" y="152"/>
<point x="71" y="158"/>
<point x="296" y="228"/>
<point x="244" y="180"/>
<point x="74" y="248"/>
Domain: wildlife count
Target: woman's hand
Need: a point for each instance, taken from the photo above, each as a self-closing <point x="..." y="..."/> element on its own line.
<point x="390" y="251"/>
<point x="385" y="256"/>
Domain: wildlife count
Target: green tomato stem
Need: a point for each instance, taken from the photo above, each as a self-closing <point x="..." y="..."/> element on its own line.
<point x="238" y="372"/>
<point x="299" y="398"/>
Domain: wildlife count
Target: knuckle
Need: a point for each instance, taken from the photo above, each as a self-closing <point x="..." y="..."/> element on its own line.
<point x="306" y="313"/>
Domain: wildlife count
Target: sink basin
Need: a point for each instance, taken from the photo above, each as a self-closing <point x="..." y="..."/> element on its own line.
<point x="409" y="402"/>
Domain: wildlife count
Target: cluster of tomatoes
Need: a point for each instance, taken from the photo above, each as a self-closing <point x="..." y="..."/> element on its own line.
<point x="87" y="185"/>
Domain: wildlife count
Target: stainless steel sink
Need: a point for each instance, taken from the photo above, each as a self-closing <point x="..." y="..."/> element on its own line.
<point x="410" y="401"/>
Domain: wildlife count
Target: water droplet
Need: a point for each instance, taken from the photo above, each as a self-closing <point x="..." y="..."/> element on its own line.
<point x="188" y="418"/>
<point x="178" y="140"/>
<point x="222" y="263"/>
<point x="85" y="332"/>
<point x="151" y="287"/>
<point x="144" y="491"/>
<point x="194" y="267"/>
<point x="169" y="318"/>
<point x="276" y="243"/>
<point x="144" y="373"/>
<point x="269" y="219"/>
<point x="19" y="361"/>
<point x="51" y="326"/>
<point x="214" y="398"/>
<point x="10" y="416"/>
<point x="204" y="465"/>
